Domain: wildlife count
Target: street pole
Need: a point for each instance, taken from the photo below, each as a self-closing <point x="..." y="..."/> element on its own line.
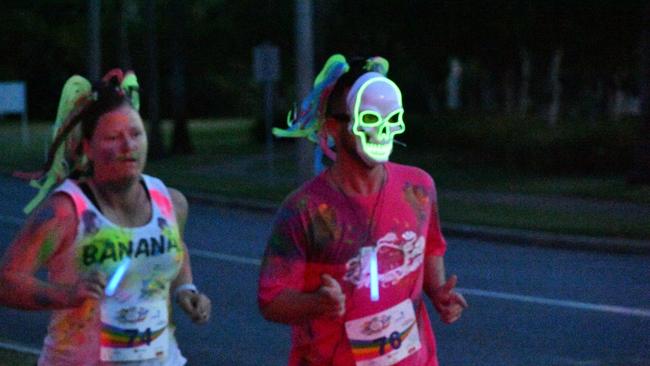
<point x="304" y="78"/>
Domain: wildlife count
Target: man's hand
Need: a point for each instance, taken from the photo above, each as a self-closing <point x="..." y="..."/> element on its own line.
<point x="196" y="305"/>
<point x="331" y="297"/>
<point x="449" y="303"/>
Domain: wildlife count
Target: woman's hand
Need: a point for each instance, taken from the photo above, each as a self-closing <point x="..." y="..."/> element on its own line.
<point x="90" y="286"/>
<point x="197" y="306"/>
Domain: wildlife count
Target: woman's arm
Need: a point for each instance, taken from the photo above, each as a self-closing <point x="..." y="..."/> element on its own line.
<point x="52" y="226"/>
<point x="181" y="209"/>
<point x="195" y="304"/>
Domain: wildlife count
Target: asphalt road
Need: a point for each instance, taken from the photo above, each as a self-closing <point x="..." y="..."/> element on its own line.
<point x="528" y="305"/>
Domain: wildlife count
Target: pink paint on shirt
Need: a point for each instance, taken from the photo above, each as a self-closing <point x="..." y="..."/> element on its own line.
<point x="319" y="230"/>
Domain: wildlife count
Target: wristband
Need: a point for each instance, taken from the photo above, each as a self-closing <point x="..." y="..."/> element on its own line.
<point x="185" y="287"/>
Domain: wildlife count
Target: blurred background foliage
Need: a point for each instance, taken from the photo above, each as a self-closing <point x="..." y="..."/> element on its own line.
<point x="519" y="58"/>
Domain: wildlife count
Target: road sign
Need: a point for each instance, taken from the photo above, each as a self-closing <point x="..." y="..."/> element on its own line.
<point x="266" y="63"/>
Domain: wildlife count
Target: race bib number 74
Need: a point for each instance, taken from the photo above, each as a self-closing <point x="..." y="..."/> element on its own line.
<point x="134" y="333"/>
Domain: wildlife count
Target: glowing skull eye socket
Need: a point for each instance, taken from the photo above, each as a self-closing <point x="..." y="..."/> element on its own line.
<point x="370" y="118"/>
<point x="373" y="119"/>
<point x="395" y="117"/>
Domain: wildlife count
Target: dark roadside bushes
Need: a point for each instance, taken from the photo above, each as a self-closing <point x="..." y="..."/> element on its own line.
<point x="573" y="147"/>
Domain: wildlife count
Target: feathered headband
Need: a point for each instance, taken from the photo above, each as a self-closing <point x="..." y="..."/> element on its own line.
<point x="307" y="120"/>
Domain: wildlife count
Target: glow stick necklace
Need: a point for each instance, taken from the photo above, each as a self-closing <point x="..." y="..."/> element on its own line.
<point x="374" y="276"/>
<point x="374" y="267"/>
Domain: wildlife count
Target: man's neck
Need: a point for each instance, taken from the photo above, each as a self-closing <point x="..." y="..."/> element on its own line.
<point x="354" y="177"/>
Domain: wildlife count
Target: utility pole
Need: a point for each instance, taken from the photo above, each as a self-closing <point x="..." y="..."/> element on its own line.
<point x="304" y="79"/>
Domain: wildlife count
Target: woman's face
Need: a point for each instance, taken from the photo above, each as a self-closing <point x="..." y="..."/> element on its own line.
<point x="118" y="147"/>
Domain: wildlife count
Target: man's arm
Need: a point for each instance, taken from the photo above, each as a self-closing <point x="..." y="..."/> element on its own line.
<point x="291" y="306"/>
<point x="449" y="303"/>
<point x="284" y="296"/>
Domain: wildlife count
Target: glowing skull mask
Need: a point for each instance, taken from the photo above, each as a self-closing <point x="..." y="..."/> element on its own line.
<point x="375" y="104"/>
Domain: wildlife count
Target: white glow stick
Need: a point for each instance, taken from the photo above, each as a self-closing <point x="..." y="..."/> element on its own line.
<point x="115" y="280"/>
<point x="374" y="276"/>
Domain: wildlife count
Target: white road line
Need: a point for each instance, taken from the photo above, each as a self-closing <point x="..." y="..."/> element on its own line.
<point x="11" y="220"/>
<point x="563" y="303"/>
<point x="645" y="313"/>
<point x="474" y="292"/>
<point x="224" y="257"/>
<point x="20" y="348"/>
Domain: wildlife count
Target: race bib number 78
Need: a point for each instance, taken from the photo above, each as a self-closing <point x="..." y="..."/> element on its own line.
<point x="384" y="338"/>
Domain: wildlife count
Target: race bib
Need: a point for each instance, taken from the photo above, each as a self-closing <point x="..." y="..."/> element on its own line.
<point x="384" y="338"/>
<point x="134" y="332"/>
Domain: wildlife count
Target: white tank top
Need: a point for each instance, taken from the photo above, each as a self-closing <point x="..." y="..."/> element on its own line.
<point x="132" y="325"/>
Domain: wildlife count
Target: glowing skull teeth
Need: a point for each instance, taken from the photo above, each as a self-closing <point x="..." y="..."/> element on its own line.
<point x="378" y="147"/>
<point x="380" y="152"/>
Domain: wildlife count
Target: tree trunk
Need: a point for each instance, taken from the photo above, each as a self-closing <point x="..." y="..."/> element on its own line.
<point x="181" y="143"/>
<point x="616" y="99"/>
<point x="94" y="40"/>
<point x="524" y="98"/>
<point x="428" y="89"/>
<point x="509" y="91"/>
<point x="488" y="99"/>
<point x="453" y="84"/>
<point x="123" y="18"/>
<point x="598" y="102"/>
<point x="640" y="173"/>
<point x="156" y="148"/>
<point x="556" y="89"/>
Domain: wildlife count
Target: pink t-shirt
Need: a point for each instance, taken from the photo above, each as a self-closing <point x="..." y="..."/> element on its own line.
<point x="320" y="230"/>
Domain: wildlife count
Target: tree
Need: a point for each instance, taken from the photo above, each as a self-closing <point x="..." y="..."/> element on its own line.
<point x="156" y="148"/>
<point x="524" y="97"/>
<point x="640" y="173"/>
<point x="94" y="40"/>
<point x="181" y="143"/>
<point x="123" y="17"/>
<point x="555" y="88"/>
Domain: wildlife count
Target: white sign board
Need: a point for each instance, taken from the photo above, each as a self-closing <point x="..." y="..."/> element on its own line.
<point x="13" y="97"/>
<point x="13" y="100"/>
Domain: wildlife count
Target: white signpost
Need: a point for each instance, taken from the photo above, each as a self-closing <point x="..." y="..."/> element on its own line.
<point x="13" y="100"/>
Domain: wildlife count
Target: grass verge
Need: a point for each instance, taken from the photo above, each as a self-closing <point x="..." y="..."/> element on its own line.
<point x="13" y="357"/>
<point x="228" y="162"/>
